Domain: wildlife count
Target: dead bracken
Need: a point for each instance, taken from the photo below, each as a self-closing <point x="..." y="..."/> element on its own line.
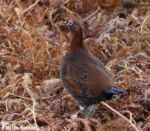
<point x="32" y="48"/>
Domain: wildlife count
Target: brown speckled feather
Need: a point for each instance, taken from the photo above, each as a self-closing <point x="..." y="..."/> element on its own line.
<point x="83" y="76"/>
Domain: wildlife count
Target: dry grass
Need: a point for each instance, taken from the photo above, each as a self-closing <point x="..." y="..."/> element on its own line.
<point x="31" y="49"/>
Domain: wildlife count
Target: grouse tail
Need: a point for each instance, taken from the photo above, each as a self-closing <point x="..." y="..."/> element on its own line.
<point x="109" y="92"/>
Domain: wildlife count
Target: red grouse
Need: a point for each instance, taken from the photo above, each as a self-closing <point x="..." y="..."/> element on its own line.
<point x="84" y="75"/>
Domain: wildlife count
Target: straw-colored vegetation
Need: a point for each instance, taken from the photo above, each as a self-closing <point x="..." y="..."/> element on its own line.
<point x="31" y="50"/>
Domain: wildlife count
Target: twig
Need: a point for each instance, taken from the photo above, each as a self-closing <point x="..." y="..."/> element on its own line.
<point x="4" y="90"/>
<point x="51" y="18"/>
<point x="17" y="3"/>
<point x="29" y="99"/>
<point x="21" y="97"/>
<point x="28" y="86"/>
<point x="68" y="10"/>
<point x="143" y="23"/>
<point x="91" y="15"/>
<point x="67" y="1"/>
<point x="31" y="6"/>
<point x="122" y="116"/>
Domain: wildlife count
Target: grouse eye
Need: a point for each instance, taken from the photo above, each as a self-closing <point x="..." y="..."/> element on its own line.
<point x="70" y="22"/>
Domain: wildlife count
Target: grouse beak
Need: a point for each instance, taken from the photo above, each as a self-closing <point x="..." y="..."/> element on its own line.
<point x="63" y="26"/>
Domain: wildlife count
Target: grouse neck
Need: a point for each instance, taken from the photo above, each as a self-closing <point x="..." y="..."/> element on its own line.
<point x="77" y="40"/>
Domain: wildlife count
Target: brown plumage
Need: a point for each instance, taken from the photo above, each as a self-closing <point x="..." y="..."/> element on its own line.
<point x="82" y="74"/>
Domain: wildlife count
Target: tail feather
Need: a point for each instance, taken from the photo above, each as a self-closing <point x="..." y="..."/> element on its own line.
<point x="109" y="92"/>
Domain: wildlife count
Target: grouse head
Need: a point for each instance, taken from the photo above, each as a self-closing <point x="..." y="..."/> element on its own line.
<point x="70" y="25"/>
